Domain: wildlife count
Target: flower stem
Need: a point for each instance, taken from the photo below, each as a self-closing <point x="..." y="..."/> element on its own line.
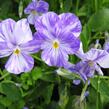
<point x="83" y="91"/>
<point x="5" y="75"/>
<point x="35" y="57"/>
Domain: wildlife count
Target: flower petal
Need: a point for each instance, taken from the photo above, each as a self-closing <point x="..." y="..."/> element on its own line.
<point x="46" y="21"/>
<point x="99" y="56"/>
<point x="38" y="6"/>
<point x="31" y="18"/>
<point x="42" y="6"/>
<point x="98" y="69"/>
<point x="22" y="32"/>
<point x="70" y="22"/>
<point x="30" y="7"/>
<point x="6" y="30"/>
<point x="19" y="63"/>
<point x="32" y="46"/>
<point x="106" y="46"/>
<point x="4" y="49"/>
<point x="68" y="42"/>
<point x="84" y="70"/>
<point x="54" y="57"/>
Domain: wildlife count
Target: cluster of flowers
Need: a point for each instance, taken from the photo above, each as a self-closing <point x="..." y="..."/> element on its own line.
<point x="57" y="36"/>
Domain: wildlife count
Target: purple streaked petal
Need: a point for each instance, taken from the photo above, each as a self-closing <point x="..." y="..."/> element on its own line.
<point x="84" y="70"/>
<point x="99" y="56"/>
<point x="70" y="22"/>
<point x="106" y="46"/>
<point x="80" y="52"/>
<point x="43" y="36"/>
<point x="32" y="46"/>
<point x="22" y="32"/>
<point x="69" y="43"/>
<point x="4" y="49"/>
<point x="54" y="57"/>
<point x="6" y="30"/>
<point x="19" y="63"/>
<point x="31" y="18"/>
<point x="32" y="6"/>
<point x="42" y="6"/>
<point x="38" y="6"/>
<point x="46" y="21"/>
<point x="98" y="69"/>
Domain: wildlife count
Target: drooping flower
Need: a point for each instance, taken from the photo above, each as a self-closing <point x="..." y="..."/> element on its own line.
<point x="16" y="41"/>
<point x="35" y="9"/>
<point x="58" y="37"/>
<point x="91" y="62"/>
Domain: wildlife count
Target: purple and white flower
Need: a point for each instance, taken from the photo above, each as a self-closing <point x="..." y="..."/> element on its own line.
<point x="91" y="62"/>
<point x="16" y="41"/>
<point x="35" y="9"/>
<point x="57" y="36"/>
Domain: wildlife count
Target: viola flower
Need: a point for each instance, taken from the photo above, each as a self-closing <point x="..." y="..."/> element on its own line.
<point x="91" y="62"/>
<point x="35" y="9"/>
<point x="56" y="40"/>
<point x="16" y="41"/>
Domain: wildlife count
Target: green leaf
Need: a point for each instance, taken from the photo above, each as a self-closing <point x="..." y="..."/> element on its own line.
<point x="11" y="91"/>
<point x="63" y="92"/>
<point x="99" y="21"/>
<point x="103" y="86"/>
<point x="36" y="73"/>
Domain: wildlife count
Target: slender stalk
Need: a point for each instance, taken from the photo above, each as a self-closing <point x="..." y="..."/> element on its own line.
<point x="35" y="57"/>
<point x="83" y="91"/>
<point x="97" y="100"/>
<point x="5" y="75"/>
<point x="77" y="6"/>
<point x="96" y="5"/>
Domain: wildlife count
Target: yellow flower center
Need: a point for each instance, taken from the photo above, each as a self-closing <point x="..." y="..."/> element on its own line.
<point x="55" y="44"/>
<point x="34" y="12"/>
<point x="17" y="51"/>
<point x="90" y="63"/>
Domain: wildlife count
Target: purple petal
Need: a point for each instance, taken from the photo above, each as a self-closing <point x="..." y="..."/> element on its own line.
<point x="19" y="63"/>
<point x="84" y="70"/>
<point x="70" y="22"/>
<point x="99" y="56"/>
<point x="32" y="6"/>
<point x="22" y="32"/>
<point x="46" y="21"/>
<point x="5" y="49"/>
<point x="106" y="46"/>
<point x="98" y="69"/>
<point x="31" y="18"/>
<point x="76" y="82"/>
<point x="38" y="6"/>
<point x="80" y="52"/>
<point x="54" y="57"/>
<point x="32" y="46"/>
<point x="6" y="30"/>
<point x="42" y="6"/>
<point x="69" y="43"/>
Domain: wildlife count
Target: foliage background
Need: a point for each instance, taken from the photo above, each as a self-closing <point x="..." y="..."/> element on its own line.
<point x="42" y="88"/>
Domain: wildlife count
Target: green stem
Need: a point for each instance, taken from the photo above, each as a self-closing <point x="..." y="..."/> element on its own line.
<point x="96" y="5"/>
<point x="5" y="75"/>
<point x="102" y="77"/>
<point x="97" y="100"/>
<point x="83" y="91"/>
<point x="35" y="57"/>
<point x="77" y="6"/>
